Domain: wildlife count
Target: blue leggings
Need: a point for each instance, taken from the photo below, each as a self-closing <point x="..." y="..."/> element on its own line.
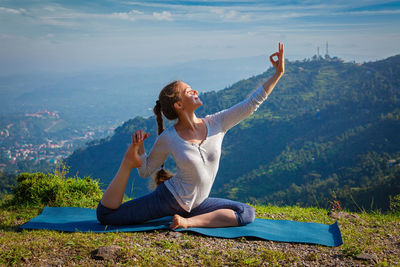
<point x="162" y="203"/>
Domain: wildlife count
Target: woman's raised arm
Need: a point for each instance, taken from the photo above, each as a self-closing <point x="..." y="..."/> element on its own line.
<point x="232" y="116"/>
<point x="279" y="66"/>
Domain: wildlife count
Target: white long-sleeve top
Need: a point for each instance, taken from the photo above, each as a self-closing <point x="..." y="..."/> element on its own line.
<point x="197" y="165"/>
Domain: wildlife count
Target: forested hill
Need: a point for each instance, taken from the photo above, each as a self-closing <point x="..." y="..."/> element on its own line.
<point x="330" y="130"/>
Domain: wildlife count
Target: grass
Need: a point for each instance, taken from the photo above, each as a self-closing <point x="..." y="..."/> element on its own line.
<point x="374" y="234"/>
<point x="39" y="189"/>
<point x="362" y="233"/>
<point x="371" y="233"/>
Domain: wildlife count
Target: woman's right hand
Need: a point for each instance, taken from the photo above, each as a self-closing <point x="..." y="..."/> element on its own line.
<point x="132" y="155"/>
<point x="279" y="64"/>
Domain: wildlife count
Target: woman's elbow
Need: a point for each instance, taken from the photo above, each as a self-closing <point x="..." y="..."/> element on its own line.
<point x="143" y="173"/>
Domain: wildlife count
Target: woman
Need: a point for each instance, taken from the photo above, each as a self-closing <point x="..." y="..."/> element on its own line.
<point x="195" y="144"/>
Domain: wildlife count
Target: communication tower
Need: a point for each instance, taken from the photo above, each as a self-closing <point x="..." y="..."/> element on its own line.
<point x="326" y="54"/>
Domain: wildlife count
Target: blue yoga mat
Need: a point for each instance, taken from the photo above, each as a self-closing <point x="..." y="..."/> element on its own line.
<point x="70" y="219"/>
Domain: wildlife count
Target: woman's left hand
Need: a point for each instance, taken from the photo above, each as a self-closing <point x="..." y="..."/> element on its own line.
<point x="132" y="155"/>
<point x="279" y="64"/>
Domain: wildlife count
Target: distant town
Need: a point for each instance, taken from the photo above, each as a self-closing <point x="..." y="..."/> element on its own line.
<point x="42" y="137"/>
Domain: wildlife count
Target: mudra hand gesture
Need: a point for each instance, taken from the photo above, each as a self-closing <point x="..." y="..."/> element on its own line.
<point x="278" y="64"/>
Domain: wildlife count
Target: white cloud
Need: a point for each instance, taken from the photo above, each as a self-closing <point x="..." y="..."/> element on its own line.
<point x="223" y="14"/>
<point x="374" y="12"/>
<point x="230" y="15"/>
<point x="60" y="16"/>
<point x="165" y="15"/>
<point x="12" y="11"/>
<point x="131" y="15"/>
<point x="67" y="33"/>
<point x="49" y="8"/>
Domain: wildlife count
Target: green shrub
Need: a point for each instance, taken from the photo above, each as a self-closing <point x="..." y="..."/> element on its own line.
<point x="39" y="189"/>
<point x="395" y="203"/>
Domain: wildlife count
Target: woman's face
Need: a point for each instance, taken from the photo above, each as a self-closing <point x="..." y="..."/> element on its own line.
<point x="189" y="97"/>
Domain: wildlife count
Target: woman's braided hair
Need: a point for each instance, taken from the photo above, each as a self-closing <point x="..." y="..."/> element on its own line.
<point x="165" y="105"/>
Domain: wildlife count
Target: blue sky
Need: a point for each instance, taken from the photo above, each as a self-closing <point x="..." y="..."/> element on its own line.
<point x="76" y="35"/>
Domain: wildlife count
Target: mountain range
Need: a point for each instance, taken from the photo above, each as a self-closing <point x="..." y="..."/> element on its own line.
<point x="328" y="132"/>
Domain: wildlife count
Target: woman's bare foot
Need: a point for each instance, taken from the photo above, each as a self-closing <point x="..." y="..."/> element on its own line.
<point x="132" y="157"/>
<point x="178" y="222"/>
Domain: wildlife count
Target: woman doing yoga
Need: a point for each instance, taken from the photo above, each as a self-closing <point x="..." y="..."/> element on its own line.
<point x="195" y="145"/>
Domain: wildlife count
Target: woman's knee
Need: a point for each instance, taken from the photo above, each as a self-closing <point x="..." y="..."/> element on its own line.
<point x="247" y="215"/>
<point x="103" y="214"/>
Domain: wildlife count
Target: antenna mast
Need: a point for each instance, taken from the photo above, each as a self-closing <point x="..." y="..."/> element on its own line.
<point x="327" y="54"/>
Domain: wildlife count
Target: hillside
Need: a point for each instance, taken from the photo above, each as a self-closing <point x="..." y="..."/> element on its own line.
<point x="328" y="131"/>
